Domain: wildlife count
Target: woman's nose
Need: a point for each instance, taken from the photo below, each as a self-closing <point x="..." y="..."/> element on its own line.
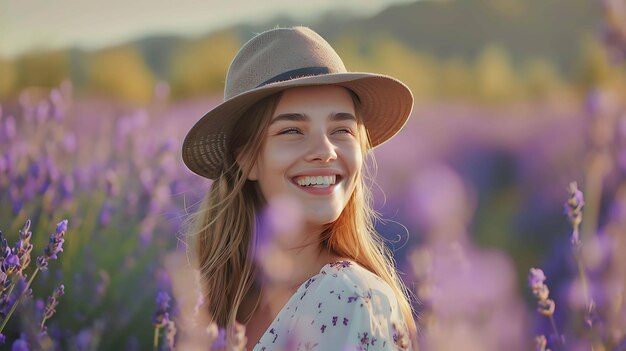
<point x="321" y="149"/>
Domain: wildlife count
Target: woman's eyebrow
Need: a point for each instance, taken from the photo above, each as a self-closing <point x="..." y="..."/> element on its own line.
<point x="342" y="116"/>
<point x="300" y="117"/>
<point x="293" y="117"/>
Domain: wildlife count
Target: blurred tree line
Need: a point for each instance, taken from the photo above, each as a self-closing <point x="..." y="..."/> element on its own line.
<point x="194" y="67"/>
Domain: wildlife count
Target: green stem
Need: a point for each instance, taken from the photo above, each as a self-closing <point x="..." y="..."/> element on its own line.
<point x="11" y="289"/>
<point x="581" y="268"/>
<point x="593" y="189"/>
<point x="43" y="321"/>
<point x="583" y="279"/>
<point x="556" y="333"/>
<point x="6" y="319"/>
<point x="156" y="338"/>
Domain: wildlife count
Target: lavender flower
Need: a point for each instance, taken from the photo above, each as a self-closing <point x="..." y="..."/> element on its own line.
<point x="170" y="335"/>
<point x="545" y="305"/>
<point x="15" y="261"/>
<point x="161" y="315"/>
<point x="217" y="336"/>
<point x="20" y="344"/>
<point x="105" y="214"/>
<point x="574" y="211"/>
<point x="536" y="279"/>
<point x="23" y="246"/>
<point x="50" y="308"/>
<point x="5" y="250"/>
<point x="162" y="319"/>
<point x="541" y="343"/>
<point x="54" y="247"/>
<point x="573" y="208"/>
<point x="11" y="263"/>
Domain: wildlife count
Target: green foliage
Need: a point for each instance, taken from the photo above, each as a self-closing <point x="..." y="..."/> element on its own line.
<point x="593" y="69"/>
<point x="455" y="79"/>
<point x="495" y="78"/>
<point x="541" y="78"/>
<point x="42" y="69"/>
<point x="386" y="55"/>
<point x="8" y="77"/>
<point x="200" y="66"/>
<point x="494" y="73"/>
<point x="120" y="72"/>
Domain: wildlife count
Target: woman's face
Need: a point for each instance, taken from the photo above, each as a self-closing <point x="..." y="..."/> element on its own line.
<point x="311" y="152"/>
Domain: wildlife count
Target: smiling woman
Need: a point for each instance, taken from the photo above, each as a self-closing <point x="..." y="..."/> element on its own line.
<point x="295" y="129"/>
<point x="306" y="144"/>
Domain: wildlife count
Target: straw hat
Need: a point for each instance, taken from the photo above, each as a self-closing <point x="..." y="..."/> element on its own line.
<point x="284" y="58"/>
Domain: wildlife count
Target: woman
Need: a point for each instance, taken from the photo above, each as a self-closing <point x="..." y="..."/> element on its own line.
<point x="295" y="128"/>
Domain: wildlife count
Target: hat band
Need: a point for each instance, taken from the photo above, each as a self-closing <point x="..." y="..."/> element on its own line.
<point x="297" y="73"/>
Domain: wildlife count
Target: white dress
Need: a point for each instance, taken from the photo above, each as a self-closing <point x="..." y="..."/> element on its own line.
<point x="343" y="307"/>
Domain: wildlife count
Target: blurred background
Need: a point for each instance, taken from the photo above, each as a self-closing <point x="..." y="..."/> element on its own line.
<point x="515" y="99"/>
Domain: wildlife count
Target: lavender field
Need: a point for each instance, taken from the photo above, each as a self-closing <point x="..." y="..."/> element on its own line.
<point x="473" y="197"/>
<point x="503" y="199"/>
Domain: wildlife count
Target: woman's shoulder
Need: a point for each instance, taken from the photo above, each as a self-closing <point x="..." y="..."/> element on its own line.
<point x="348" y="280"/>
<point x="346" y="306"/>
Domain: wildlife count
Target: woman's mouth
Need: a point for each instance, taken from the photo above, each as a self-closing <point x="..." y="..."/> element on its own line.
<point x="325" y="181"/>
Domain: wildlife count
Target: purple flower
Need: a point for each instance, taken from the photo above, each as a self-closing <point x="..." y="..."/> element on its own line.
<point x="25" y="233"/>
<point x="20" y="344"/>
<point x="220" y="340"/>
<point x="536" y="277"/>
<point x="574" y="204"/>
<point x="5" y="250"/>
<point x="163" y="300"/>
<point x="161" y="316"/>
<point x="541" y="292"/>
<point x="54" y="247"/>
<point x="11" y="263"/>
<point x="34" y="170"/>
<point x="16" y="206"/>
<point x="83" y="340"/>
<point x="573" y="208"/>
<point x="39" y="306"/>
<point x="62" y="226"/>
<point x="52" y="303"/>
<point x="105" y="214"/>
<point x="42" y="263"/>
<point x="9" y="128"/>
<point x="23" y="247"/>
<point x="67" y="187"/>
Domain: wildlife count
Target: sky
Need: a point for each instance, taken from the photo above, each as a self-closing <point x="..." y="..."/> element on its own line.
<point x="27" y="25"/>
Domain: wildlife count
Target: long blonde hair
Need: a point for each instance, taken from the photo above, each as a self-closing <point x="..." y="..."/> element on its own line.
<point x="222" y="229"/>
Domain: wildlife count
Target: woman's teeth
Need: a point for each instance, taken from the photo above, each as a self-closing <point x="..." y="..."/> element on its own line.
<point x="316" y="181"/>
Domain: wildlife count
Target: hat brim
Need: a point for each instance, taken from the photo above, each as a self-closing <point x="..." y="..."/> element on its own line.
<point x="386" y="105"/>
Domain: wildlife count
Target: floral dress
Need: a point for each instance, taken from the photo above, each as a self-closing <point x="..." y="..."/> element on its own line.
<point x="343" y="307"/>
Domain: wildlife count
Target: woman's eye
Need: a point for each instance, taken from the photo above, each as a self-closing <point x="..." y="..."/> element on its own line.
<point x="289" y="131"/>
<point x="344" y="130"/>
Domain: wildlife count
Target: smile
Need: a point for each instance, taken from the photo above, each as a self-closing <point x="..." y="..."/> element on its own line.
<point x="317" y="181"/>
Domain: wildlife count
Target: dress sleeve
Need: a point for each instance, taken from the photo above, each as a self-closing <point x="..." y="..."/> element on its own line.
<point x="354" y="315"/>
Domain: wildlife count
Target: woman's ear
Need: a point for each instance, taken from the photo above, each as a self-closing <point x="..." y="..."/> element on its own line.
<point x="241" y="160"/>
<point x="254" y="173"/>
